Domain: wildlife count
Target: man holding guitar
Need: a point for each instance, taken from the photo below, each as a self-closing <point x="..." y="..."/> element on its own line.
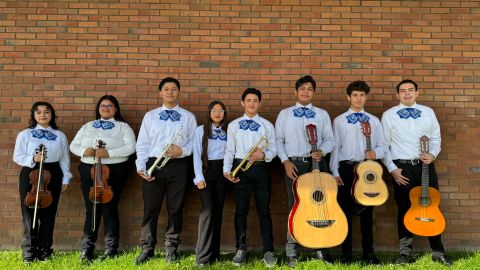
<point x="403" y="126"/>
<point x="294" y="149"/>
<point x="350" y="149"/>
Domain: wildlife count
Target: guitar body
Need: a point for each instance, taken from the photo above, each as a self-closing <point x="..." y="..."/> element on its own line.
<point x="424" y="219"/>
<point x="368" y="188"/>
<point x="316" y="219"/>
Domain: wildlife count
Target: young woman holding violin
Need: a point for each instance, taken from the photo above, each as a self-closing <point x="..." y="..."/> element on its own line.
<point x="42" y="151"/>
<point x="104" y="146"/>
<point x="209" y="143"/>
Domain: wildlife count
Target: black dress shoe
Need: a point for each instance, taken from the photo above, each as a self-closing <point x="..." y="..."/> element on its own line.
<point x="171" y="256"/>
<point x="86" y="255"/>
<point x="370" y="259"/>
<point x="346" y="259"/>
<point x="442" y="259"/>
<point x="109" y="254"/>
<point x="28" y="259"/>
<point x="292" y="261"/>
<point x="404" y="259"/>
<point x="144" y="257"/>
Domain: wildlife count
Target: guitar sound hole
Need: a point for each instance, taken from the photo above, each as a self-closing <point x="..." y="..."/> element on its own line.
<point x="318" y="196"/>
<point x="370" y="177"/>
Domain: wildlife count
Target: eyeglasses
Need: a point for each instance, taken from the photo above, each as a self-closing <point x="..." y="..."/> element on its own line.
<point x="217" y="111"/>
<point x="109" y="106"/>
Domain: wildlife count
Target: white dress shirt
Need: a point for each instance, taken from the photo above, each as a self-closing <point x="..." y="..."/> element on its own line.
<point x="350" y="142"/>
<point x="56" y="147"/>
<point x="155" y="134"/>
<point x="118" y="137"/>
<point x="291" y="133"/>
<point x="402" y="136"/>
<point x="215" y="150"/>
<point x="239" y="141"/>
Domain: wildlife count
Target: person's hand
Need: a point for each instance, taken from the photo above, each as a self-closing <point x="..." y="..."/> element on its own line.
<point x="148" y="178"/>
<point x="290" y="169"/>
<point x="174" y="151"/>
<point x="427" y="158"/>
<point x="399" y="178"/>
<point x="231" y="179"/>
<point x="38" y="157"/>
<point x="202" y="184"/>
<point x="64" y="187"/>
<point x="339" y="181"/>
<point x="102" y="153"/>
<point x="89" y="152"/>
<point x="317" y="155"/>
<point x="370" y="155"/>
<point x="257" y="155"/>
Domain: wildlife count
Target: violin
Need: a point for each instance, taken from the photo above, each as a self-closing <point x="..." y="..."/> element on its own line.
<point x="100" y="192"/>
<point x="39" y="196"/>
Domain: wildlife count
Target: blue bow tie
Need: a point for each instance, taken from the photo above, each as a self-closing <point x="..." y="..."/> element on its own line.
<point x="170" y="114"/>
<point x="103" y="124"/>
<point x="353" y="118"/>
<point x="406" y="113"/>
<point x="218" y="134"/>
<point x="42" y="133"/>
<point x="249" y="124"/>
<point x="303" y="111"/>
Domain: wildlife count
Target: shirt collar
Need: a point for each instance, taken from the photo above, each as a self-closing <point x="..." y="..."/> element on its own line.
<point x="165" y="108"/>
<point x="49" y="128"/>
<point x="255" y="117"/>
<point x="298" y="105"/>
<point x="352" y="111"/>
<point x="401" y="106"/>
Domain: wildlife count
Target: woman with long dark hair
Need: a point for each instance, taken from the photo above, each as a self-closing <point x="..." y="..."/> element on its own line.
<point x="208" y="151"/>
<point x="118" y="141"/>
<point x="42" y="130"/>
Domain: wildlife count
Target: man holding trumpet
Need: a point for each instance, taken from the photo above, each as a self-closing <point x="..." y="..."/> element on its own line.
<point x="250" y="145"/>
<point x="164" y="140"/>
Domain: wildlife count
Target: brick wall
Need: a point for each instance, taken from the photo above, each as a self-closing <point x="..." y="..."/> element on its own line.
<point x="72" y="52"/>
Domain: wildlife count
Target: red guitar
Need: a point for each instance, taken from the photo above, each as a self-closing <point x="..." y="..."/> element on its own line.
<point x="368" y="188"/>
<point x="423" y="217"/>
<point x="316" y="219"/>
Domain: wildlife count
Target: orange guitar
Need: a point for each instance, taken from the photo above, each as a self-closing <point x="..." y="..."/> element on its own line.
<point x="316" y="219"/>
<point x="368" y="188"/>
<point x="424" y="218"/>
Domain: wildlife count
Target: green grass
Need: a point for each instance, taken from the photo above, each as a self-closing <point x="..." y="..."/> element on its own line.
<point x="69" y="260"/>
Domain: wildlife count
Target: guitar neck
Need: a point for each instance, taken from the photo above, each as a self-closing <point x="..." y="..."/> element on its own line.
<point x="369" y="143"/>
<point x="315" y="165"/>
<point x="425" y="181"/>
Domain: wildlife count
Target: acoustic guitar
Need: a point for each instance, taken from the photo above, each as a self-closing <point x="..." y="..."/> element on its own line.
<point x="368" y="187"/>
<point x="423" y="217"/>
<point x="316" y="219"/>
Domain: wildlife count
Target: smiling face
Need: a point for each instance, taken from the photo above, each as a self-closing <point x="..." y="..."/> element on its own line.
<point x="407" y="94"/>
<point x="217" y="114"/>
<point x="357" y="100"/>
<point x="305" y="93"/>
<point x="107" y="109"/>
<point x="169" y="94"/>
<point x="251" y="103"/>
<point x="43" y="115"/>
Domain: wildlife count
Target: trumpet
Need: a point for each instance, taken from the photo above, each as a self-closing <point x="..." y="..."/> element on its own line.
<point x="164" y="159"/>
<point x="262" y="148"/>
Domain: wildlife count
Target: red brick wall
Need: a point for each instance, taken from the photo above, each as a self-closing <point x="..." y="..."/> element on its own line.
<point x="72" y="52"/>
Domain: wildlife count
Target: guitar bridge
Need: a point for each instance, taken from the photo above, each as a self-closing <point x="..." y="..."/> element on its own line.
<point x="371" y="194"/>
<point x="320" y="223"/>
<point x="423" y="219"/>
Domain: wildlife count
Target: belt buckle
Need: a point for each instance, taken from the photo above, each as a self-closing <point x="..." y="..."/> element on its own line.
<point x="305" y="159"/>
<point x="414" y="161"/>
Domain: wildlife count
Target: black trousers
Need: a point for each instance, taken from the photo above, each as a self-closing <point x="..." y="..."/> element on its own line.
<point x="256" y="180"/>
<point x="40" y="239"/>
<point x="171" y="182"/>
<point x="210" y="220"/>
<point x="401" y="194"/>
<point x="109" y="211"/>
<point x="303" y="167"/>
<point x="350" y="208"/>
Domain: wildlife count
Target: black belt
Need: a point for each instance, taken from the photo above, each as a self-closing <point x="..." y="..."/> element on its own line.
<point x="408" y="161"/>
<point x="255" y="163"/>
<point x="349" y="162"/>
<point x="300" y="159"/>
